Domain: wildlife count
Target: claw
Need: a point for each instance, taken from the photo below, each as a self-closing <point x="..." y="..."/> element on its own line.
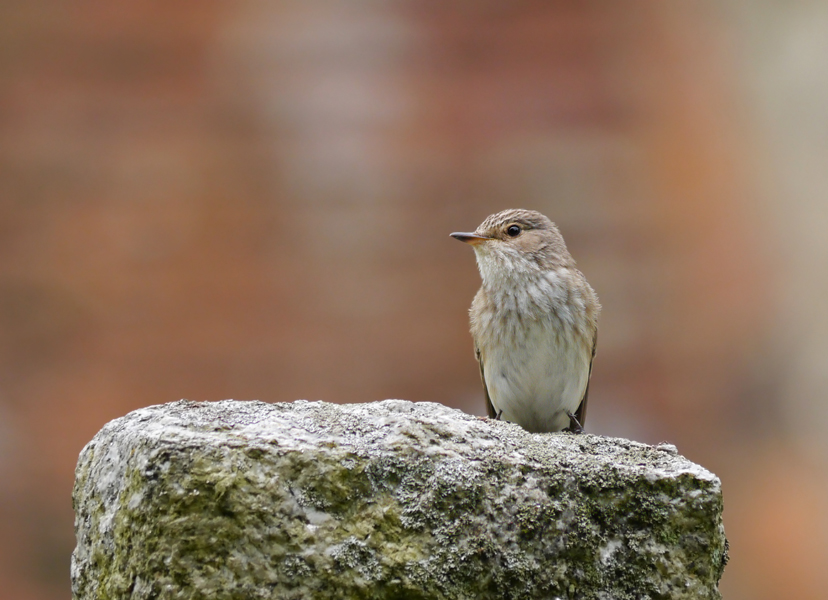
<point x="574" y="425"/>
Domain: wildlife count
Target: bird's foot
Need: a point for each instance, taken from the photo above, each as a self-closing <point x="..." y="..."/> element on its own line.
<point x="574" y="425"/>
<point x="494" y="418"/>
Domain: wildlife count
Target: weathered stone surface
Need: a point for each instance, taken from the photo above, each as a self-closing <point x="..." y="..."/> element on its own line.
<point x="384" y="500"/>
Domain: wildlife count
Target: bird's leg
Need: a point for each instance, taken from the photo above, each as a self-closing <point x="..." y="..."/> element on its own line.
<point x="574" y="425"/>
<point x="494" y="418"/>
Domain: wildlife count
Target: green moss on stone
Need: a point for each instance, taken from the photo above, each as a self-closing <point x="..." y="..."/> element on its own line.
<point x="421" y="519"/>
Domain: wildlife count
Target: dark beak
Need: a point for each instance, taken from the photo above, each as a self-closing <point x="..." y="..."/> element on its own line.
<point x="470" y="238"/>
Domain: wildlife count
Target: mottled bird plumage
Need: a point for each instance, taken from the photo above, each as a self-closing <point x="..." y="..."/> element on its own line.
<point x="533" y="321"/>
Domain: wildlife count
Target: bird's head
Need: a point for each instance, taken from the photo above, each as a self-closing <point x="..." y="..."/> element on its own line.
<point x="516" y="241"/>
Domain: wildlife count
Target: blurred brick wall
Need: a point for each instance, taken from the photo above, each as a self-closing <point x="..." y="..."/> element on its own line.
<point x="207" y="201"/>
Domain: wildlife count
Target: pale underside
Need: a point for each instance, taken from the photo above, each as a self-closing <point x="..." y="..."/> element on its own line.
<point x="536" y="378"/>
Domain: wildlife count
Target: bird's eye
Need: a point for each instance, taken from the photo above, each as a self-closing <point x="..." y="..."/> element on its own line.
<point x="513" y="231"/>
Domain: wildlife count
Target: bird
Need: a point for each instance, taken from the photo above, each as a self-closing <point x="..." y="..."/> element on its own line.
<point x="534" y="323"/>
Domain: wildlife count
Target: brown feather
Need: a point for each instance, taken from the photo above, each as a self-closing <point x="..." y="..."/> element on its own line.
<point x="580" y="414"/>
<point x="489" y="406"/>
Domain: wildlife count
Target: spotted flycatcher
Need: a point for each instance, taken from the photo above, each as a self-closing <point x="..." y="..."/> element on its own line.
<point x="534" y="322"/>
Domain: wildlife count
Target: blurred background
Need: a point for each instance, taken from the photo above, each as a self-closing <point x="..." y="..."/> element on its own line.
<point x="252" y="200"/>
